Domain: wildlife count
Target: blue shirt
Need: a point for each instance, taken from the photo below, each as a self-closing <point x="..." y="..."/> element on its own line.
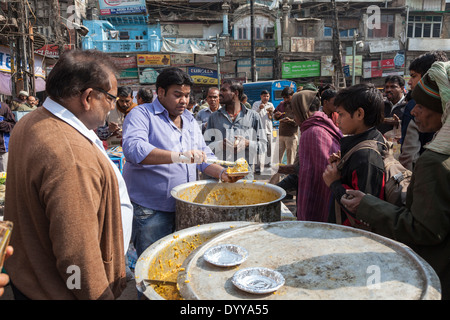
<point x="145" y="128"/>
<point x="203" y="115"/>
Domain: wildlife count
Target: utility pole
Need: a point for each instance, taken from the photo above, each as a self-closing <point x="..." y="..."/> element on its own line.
<point x="55" y="23"/>
<point x="339" y="77"/>
<point x="21" y="50"/>
<point x="252" y="37"/>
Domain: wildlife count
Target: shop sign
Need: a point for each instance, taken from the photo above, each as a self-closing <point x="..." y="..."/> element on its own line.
<point x="246" y="45"/>
<point x="181" y="59"/>
<point x="148" y="75"/>
<point x="348" y="61"/>
<point x="153" y="60"/>
<point x="203" y="76"/>
<point x="302" y="44"/>
<point x="5" y="62"/>
<point x="300" y="69"/>
<point x="188" y="45"/>
<point x="109" y="7"/>
<point x="51" y="50"/>
<point x="379" y="68"/>
<point x="326" y="66"/>
<point x="122" y="63"/>
<point x="264" y="68"/>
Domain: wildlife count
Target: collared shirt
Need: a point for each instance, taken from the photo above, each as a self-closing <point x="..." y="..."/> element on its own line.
<point x="400" y="102"/>
<point x="125" y="203"/>
<point x="267" y="122"/>
<point x="203" y="115"/>
<point x="145" y="128"/>
<point x="247" y="124"/>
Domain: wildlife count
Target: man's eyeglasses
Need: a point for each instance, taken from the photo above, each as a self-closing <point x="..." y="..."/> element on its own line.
<point x="112" y="97"/>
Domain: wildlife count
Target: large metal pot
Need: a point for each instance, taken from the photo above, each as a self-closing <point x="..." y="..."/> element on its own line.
<point x="208" y="201"/>
<point x="163" y="259"/>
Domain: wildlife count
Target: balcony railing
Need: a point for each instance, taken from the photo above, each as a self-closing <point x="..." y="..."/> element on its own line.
<point x="117" y="46"/>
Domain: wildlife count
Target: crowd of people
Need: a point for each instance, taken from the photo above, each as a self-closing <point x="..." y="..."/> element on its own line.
<point x="65" y="209"/>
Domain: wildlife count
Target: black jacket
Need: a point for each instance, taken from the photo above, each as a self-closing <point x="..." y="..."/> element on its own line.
<point x="388" y="113"/>
<point x="363" y="171"/>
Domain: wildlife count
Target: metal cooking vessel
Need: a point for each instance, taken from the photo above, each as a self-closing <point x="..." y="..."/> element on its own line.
<point x="195" y="205"/>
<point x="163" y="259"/>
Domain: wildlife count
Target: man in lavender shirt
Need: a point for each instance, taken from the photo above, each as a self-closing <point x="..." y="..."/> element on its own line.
<point x="163" y="146"/>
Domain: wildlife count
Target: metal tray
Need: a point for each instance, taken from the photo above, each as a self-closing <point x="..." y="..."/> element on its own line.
<point x="317" y="261"/>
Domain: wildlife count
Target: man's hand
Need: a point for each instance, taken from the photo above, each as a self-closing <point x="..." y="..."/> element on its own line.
<point x="335" y="157"/>
<point x="352" y="199"/>
<point x="331" y="174"/>
<point x="231" y="179"/>
<point x="113" y="127"/>
<point x="240" y="143"/>
<point x="4" y="278"/>
<point x="192" y="156"/>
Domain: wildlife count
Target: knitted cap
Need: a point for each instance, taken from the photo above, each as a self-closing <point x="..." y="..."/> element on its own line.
<point x="426" y="93"/>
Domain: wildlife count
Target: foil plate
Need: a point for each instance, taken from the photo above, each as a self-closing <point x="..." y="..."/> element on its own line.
<point x="238" y="174"/>
<point x="258" y="280"/>
<point x="226" y="255"/>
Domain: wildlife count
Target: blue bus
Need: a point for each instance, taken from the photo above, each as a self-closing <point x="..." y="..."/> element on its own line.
<point x="275" y="87"/>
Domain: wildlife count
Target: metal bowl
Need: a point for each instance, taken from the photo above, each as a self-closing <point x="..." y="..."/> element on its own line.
<point x="258" y="280"/>
<point x="226" y="255"/>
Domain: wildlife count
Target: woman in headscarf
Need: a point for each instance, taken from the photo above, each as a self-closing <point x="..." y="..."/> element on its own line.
<point x="318" y="140"/>
<point x="424" y="223"/>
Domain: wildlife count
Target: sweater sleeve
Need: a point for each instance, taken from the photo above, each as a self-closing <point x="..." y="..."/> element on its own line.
<point x="425" y="220"/>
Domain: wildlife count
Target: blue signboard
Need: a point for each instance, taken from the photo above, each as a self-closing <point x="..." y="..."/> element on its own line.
<point x="203" y="76"/>
<point x="113" y="7"/>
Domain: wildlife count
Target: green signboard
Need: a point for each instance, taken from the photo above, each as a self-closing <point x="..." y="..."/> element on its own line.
<point x="300" y="69"/>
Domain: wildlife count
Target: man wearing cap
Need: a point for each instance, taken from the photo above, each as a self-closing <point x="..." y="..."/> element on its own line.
<point x="423" y="223"/>
<point x="20" y="103"/>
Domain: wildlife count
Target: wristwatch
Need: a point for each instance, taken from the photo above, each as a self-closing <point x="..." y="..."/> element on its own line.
<point x="221" y="173"/>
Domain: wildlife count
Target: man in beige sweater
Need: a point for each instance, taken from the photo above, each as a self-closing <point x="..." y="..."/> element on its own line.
<point x="67" y="200"/>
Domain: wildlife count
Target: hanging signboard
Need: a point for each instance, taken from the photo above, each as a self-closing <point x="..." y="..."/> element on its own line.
<point x="181" y="59"/>
<point x="302" y="44"/>
<point x="348" y="60"/>
<point x="112" y="7"/>
<point x="153" y="60"/>
<point x="264" y="68"/>
<point x="379" y="68"/>
<point x="300" y="69"/>
<point x="203" y="76"/>
<point x="326" y="66"/>
<point x="187" y="45"/>
<point x="147" y="75"/>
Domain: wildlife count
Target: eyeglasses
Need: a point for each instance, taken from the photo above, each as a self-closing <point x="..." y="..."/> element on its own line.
<point x="112" y="97"/>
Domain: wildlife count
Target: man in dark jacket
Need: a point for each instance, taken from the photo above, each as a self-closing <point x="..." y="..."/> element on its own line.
<point x="360" y="110"/>
<point x="394" y="89"/>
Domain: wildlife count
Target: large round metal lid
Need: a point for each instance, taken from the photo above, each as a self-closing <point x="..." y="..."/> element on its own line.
<point x="317" y="261"/>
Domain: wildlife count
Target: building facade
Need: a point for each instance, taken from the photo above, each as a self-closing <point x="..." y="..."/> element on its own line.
<point x="249" y="40"/>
